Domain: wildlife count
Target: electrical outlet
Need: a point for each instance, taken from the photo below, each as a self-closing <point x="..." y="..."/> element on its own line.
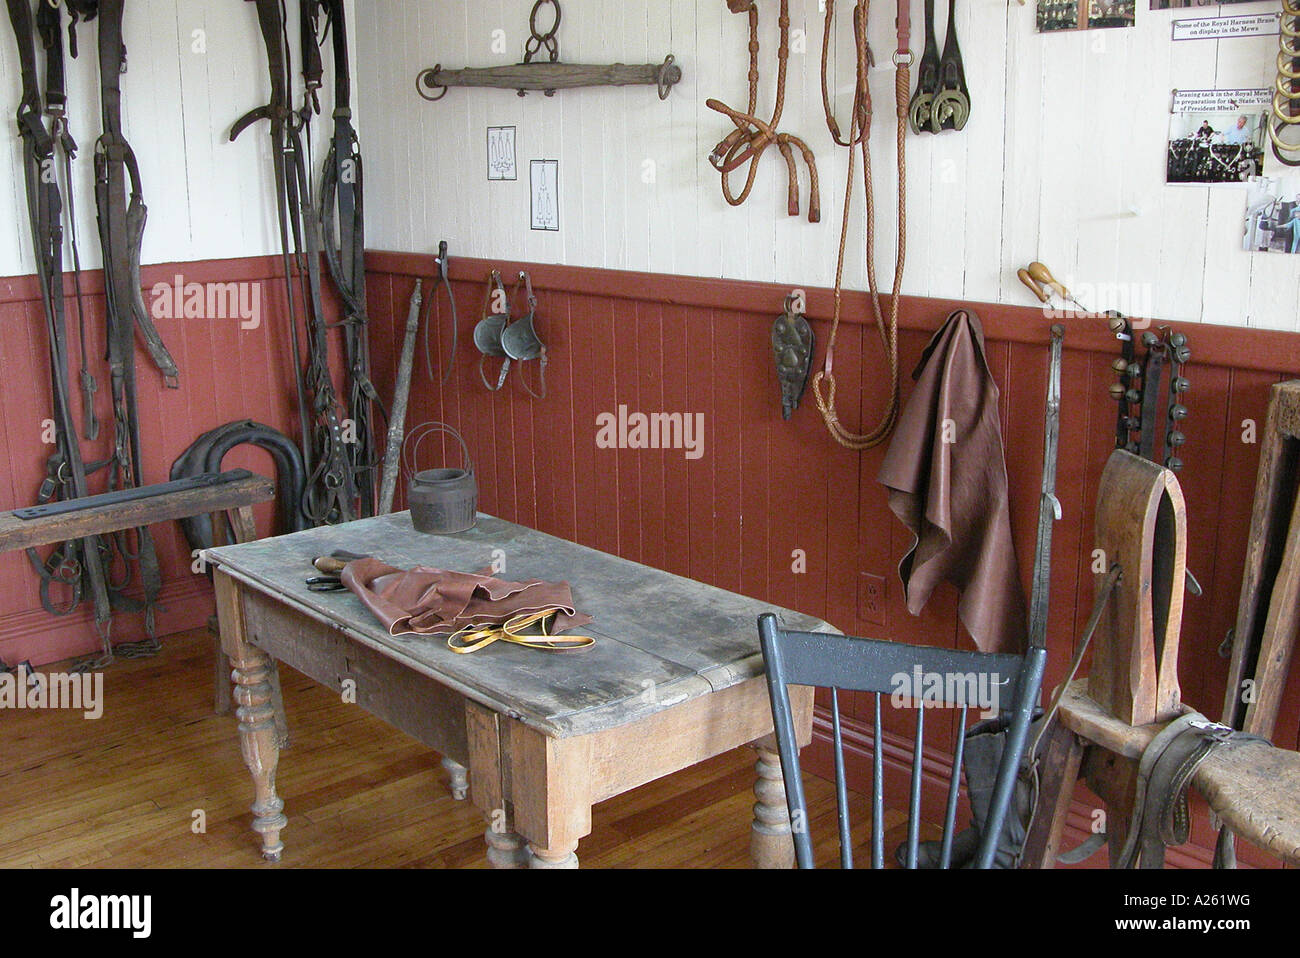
<point x="871" y="599"/>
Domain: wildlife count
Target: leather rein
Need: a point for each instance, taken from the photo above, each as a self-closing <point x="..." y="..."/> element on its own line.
<point x="859" y="136"/>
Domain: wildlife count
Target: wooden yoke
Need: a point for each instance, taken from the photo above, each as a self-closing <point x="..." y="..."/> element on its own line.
<point x="1141" y="526"/>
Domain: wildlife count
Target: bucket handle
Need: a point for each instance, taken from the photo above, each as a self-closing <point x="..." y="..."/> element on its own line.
<point x="410" y="451"/>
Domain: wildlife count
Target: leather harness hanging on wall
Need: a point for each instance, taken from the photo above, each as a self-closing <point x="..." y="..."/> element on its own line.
<point x="49" y="26"/>
<point x="343" y="236"/>
<point x="330" y="492"/>
<point x="121" y="229"/>
<point x="78" y="563"/>
<point x="859" y="134"/>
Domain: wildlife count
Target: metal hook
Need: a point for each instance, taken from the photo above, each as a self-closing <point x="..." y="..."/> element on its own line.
<point x="429" y="78"/>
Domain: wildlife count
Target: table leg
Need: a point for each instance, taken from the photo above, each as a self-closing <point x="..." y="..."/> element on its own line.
<point x="506" y="847"/>
<point x="488" y="787"/>
<point x="277" y="706"/>
<point x="221" y="674"/>
<point x="258" y="736"/>
<point x="771" y="844"/>
<point x="555" y="856"/>
<point x="545" y="786"/>
<point x="458" y="779"/>
<point x="221" y="670"/>
<point x="245" y="530"/>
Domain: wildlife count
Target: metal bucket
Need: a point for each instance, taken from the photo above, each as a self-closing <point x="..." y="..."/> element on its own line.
<point x="445" y="500"/>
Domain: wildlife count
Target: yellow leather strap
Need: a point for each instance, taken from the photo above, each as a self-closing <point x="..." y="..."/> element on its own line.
<point x="471" y="638"/>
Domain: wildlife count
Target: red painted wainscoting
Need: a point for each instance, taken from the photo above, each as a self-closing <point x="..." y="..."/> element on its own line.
<point x="765" y="487"/>
<point x="226" y="373"/>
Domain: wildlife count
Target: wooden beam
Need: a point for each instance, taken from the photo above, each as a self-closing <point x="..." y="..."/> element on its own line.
<point x="553" y="76"/>
<point x="96" y="520"/>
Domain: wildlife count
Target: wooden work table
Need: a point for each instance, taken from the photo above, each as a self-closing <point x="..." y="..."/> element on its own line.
<point x="675" y="677"/>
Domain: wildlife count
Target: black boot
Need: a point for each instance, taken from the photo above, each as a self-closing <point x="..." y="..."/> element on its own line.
<point x="964" y="845"/>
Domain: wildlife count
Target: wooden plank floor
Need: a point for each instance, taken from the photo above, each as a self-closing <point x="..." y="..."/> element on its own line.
<point x="131" y="788"/>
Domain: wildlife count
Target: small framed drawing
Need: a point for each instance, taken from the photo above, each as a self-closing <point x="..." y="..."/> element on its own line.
<point x="545" y="178"/>
<point x="501" y="153"/>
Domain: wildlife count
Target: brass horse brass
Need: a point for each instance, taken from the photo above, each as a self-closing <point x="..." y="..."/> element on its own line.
<point x="792" y="348"/>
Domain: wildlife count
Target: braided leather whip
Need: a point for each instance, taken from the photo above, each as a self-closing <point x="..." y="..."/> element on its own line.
<point x="859" y="135"/>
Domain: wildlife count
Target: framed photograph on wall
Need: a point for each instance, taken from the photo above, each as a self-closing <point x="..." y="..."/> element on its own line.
<point x="1272" y="215"/>
<point x="1053" y="16"/>
<point x="545" y="180"/>
<point x="1216" y="147"/>
<point x="1183" y="4"/>
<point x="501" y="153"/>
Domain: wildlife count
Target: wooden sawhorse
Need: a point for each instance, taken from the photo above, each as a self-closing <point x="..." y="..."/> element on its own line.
<point x="1106" y="721"/>
<point x="1251" y="789"/>
<point x="234" y="499"/>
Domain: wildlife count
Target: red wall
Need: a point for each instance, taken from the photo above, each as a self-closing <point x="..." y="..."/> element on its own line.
<point x="226" y="373"/>
<point x="766" y="487"/>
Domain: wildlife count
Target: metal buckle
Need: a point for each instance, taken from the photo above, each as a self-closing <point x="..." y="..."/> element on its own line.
<point x="1214" y="731"/>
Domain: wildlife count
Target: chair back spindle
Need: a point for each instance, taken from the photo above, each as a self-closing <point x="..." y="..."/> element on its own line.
<point x="848" y="663"/>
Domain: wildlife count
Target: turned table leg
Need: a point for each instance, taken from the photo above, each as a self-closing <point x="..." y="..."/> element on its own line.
<point x="245" y="530"/>
<point x="505" y="846"/>
<point x="258" y="735"/>
<point x="771" y="844"/>
<point x="506" y="849"/>
<point x="555" y="856"/>
<point x="259" y="742"/>
<point x="458" y="779"/>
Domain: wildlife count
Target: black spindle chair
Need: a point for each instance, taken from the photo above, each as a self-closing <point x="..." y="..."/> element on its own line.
<point x="871" y="665"/>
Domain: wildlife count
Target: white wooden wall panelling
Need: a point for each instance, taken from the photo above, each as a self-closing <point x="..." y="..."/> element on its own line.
<point x="207" y="198"/>
<point x="1065" y="142"/>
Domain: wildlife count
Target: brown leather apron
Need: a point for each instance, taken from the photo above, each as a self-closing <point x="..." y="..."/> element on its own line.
<point x="428" y="601"/>
<point x="947" y="480"/>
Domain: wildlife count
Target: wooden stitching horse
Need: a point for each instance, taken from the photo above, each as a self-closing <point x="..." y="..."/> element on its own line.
<point x="1108" y="722"/>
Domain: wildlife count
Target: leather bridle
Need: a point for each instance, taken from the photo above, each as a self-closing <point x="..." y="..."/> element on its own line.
<point x="752" y="135"/>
